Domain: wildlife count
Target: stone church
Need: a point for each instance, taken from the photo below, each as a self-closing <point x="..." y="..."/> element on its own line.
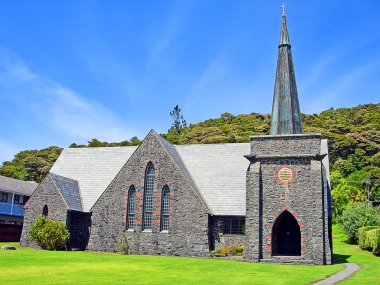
<point x="271" y="195"/>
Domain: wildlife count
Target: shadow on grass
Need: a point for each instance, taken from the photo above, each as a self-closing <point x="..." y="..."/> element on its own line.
<point x="341" y="258"/>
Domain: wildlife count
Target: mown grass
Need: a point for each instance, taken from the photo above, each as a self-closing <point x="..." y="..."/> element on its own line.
<point x="29" y="266"/>
<point x="369" y="264"/>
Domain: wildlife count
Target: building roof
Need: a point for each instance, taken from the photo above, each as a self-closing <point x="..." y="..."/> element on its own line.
<point x="94" y="169"/>
<point x="69" y="189"/>
<point x="17" y="186"/>
<point x="172" y="150"/>
<point x="219" y="171"/>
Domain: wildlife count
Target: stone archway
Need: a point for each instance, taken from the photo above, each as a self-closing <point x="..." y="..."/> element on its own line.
<point x="286" y="236"/>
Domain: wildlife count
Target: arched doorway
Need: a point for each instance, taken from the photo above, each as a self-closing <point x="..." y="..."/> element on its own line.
<point x="286" y="236"/>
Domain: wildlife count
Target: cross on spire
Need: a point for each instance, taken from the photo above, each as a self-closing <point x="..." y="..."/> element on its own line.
<point x="283" y="8"/>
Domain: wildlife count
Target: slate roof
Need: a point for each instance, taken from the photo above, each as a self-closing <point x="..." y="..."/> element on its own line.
<point x="171" y="149"/>
<point x="17" y="186"/>
<point x="219" y="171"/>
<point x="69" y="190"/>
<point x="94" y="169"/>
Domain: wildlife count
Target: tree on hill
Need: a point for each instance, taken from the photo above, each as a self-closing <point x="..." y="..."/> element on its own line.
<point x="178" y="121"/>
<point x="31" y="165"/>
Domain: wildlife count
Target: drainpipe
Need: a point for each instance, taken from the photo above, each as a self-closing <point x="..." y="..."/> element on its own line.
<point x="13" y="201"/>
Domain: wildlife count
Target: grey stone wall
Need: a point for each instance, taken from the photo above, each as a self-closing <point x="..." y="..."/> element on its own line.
<point x="286" y="145"/>
<point x="188" y="232"/>
<point x="45" y="192"/>
<point x="253" y="217"/>
<point x="305" y="197"/>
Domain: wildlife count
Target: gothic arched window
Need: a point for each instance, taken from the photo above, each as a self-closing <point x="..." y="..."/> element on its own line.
<point x="165" y="208"/>
<point x="148" y="196"/>
<point x="131" y="207"/>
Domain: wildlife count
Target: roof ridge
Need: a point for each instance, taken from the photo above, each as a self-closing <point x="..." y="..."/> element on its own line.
<point x="187" y="175"/>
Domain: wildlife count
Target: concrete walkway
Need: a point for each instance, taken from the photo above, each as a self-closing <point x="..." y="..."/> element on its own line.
<point x="344" y="274"/>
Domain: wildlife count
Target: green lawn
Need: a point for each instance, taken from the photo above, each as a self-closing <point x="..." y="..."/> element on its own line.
<point x="28" y="266"/>
<point x="370" y="264"/>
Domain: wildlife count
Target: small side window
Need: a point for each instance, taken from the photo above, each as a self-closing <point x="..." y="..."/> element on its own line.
<point x="45" y="210"/>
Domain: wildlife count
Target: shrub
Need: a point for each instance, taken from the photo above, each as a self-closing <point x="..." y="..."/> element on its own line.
<point x="355" y="216"/>
<point x="374" y="240"/>
<point x="217" y="252"/>
<point x="233" y="249"/>
<point x="49" y="234"/>
<point x="363" y="237"/>
<point x="122" y="243"/>
<point x="224" y="250"/>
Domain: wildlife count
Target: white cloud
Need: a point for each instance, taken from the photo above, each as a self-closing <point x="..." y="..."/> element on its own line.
<point x="57" y="108"/>
<point x="66" y="111"/>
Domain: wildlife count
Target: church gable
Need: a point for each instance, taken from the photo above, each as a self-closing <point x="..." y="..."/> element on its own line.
<point x="46" y="198"/>
<point x="158" y="225"/>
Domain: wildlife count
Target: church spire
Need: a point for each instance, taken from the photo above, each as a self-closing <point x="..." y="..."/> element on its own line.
<point x="286" y="117"/>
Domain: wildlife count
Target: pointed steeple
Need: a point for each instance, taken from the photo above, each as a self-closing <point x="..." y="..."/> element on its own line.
<point x="286" y="116"/>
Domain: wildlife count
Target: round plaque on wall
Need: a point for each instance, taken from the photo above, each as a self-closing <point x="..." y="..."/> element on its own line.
<point x="285" y="174"/>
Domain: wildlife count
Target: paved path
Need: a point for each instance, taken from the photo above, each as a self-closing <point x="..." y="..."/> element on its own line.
<point x="344" y="274"/>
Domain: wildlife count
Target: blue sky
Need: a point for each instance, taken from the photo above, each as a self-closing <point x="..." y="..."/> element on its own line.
<point x="75" y="70"/>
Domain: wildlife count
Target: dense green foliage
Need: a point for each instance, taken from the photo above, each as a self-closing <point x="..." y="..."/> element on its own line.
<point x="353" y="134"/>
<point x="32" y="165"/>
<point x="373" y="241"/>
<point x="96" y="143"/>
<point x="49" y="234"/>
<point x="356" y="216"/>
<point x="363" y="240"/>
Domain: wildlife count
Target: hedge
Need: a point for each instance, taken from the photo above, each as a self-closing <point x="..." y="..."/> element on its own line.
<point x="364" y="242"/>
<point x="356" y="216"/>
<point x="374" y="240"/>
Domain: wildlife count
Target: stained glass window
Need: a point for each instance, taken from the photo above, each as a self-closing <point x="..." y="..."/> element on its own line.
<point x="165" y="209"/>
<point x="148" y="196"/>
<point x="131" y="207"/>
